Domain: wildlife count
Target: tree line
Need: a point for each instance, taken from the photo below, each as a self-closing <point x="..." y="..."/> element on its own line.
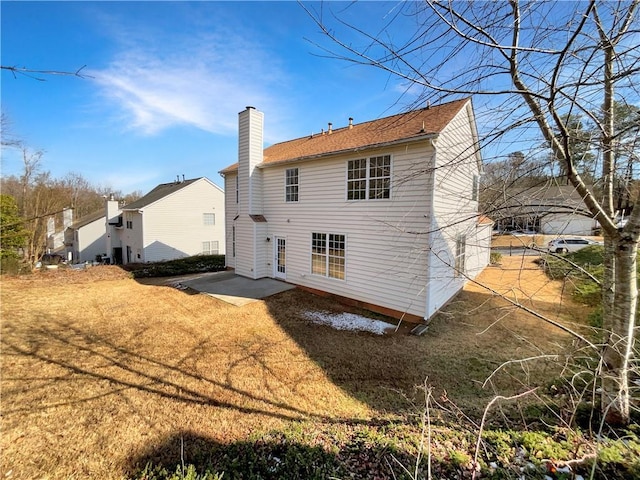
<point x="31" y="198"/>
<point x="533" y="169"/>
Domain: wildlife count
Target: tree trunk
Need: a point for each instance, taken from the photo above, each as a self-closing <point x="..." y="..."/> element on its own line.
<point x="619" y="326"/>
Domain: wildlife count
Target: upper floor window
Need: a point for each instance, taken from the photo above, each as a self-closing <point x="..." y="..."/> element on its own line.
<point x="237" y="189"/>
<point x="291" y="185"/>
<point x="475" y="188"/>
<point x="369" y="178"/>
<point x="209" y="218"/>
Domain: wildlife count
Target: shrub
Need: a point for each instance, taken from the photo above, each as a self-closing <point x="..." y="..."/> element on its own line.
<point x="181" y="266"/>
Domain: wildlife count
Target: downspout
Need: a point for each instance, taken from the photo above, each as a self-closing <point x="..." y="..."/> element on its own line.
<point x="430" y="228"/>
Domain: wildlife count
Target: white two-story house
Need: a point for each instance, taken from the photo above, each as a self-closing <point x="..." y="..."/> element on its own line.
<point x="174" y="220"/>
<point x="382" y="214"/>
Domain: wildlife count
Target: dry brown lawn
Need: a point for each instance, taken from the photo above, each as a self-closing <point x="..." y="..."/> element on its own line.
<point x="98" y="370"/>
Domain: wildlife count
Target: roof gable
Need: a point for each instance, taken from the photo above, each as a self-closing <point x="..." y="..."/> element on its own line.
<point x="158" y="193"/>
<point x="87" y="219"/>
<point x="416" y="124"/>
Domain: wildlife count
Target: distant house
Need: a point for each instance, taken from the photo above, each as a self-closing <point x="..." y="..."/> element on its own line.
<point x="383" y="214"/>
<point x="174" y="220"/>
<point x="548" y="208"/>
<point x="56" y="227"/>
<point x="88" y="237"/>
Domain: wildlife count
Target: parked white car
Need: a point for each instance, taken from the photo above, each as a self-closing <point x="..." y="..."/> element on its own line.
<point x="565" y="245"/>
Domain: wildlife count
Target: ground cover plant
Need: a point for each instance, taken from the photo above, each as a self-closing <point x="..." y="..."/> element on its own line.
<point x="106" y="377"/>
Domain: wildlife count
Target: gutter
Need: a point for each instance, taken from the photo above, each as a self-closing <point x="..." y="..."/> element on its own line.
<point x="429" y="136"/>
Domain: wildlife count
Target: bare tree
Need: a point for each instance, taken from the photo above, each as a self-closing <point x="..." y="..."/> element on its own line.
<point x="535" y="65"/>
<point x="38" y="74"/>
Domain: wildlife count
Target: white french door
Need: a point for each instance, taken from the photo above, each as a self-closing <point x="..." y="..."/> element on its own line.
<point x="281" y="258"/>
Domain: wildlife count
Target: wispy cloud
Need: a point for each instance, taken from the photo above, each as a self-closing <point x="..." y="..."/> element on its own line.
<point x="201" y="80"/>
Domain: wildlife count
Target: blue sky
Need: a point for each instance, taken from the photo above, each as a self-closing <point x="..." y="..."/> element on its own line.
<point x="168" y="80"/>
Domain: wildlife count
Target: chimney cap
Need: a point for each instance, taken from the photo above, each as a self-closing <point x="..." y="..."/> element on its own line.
<point x="249" y="107"/>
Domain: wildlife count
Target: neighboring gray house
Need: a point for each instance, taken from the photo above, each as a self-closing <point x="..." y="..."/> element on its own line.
<point x="88" y="237"/>
<point x="549" y="209"/>
<point x="383" y="214"/>
<point x="174" y="220"/>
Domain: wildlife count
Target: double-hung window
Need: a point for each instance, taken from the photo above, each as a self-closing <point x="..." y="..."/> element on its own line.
<point x="461" y="250"/>
<point x="209" y="218"/>
<point x="328" y="255"/>
<point x="210" y="248"/>
<point x="291" y="185"/>
<point x="369" y="178"/>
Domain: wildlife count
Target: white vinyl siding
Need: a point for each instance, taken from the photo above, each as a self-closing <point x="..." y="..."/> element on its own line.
<point x="385" y="260"/>
<point x="455" y="213"/>
<point x="89" y="241"/>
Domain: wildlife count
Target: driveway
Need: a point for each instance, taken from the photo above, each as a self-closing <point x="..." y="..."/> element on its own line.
<point x="226" y="286"/>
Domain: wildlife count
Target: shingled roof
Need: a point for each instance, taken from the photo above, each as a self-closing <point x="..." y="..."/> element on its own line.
<point x="87" y="219"/>
<point x="407" y="126"/>
<point x="159" y="192"/>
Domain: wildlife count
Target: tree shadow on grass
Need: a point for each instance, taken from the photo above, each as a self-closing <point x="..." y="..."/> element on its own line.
<point x="81" y="354"/>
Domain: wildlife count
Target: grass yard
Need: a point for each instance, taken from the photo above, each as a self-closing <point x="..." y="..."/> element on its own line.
<point x="102" y="375"/>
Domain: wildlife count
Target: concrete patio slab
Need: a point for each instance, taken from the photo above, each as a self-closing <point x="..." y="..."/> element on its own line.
<point x="234" y="289"/>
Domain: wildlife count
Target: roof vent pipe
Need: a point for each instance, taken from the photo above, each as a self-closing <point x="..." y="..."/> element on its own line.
<point x="350" y="123"/>
<point x="329" y="130"/>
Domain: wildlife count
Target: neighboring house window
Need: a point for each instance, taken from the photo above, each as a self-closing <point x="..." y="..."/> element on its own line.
<point x="461" y="247"/>
<point x="328" y="255"/>
<point x="369" y="178"/>
<point x="291" y="185"/>
<point x="237" y="188"/>
<point x="209" y="218"/>
<point x="210" y="248"/>
<point x="475" y="188"/>
<point x="233" y="240"/>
